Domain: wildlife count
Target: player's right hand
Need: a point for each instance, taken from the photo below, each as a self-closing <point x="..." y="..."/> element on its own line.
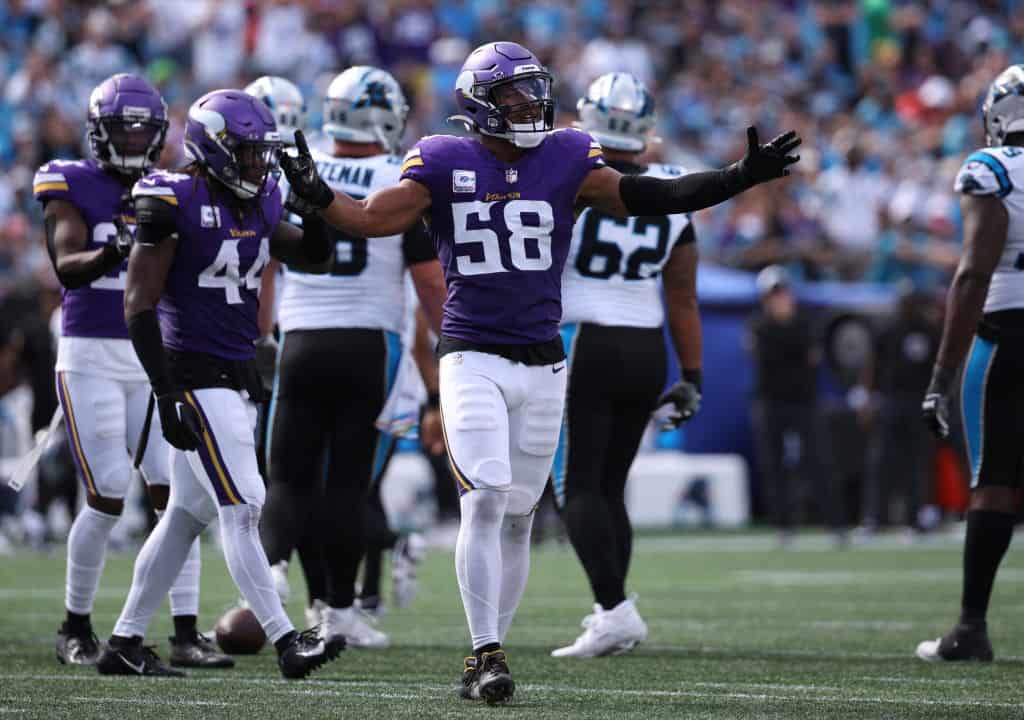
<point x="682" y="401"/>
<point x="771" y="160"/>
<point x="179" y="420"/>
<point x="935" y="410"/>
<point x="306" y="184"/>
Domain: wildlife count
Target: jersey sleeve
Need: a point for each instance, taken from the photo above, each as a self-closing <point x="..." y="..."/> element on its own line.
<point x="52" y="182"/>
<point x="160" y="186"/>
<point x="414" y="165"/>
<point x="983" y="174"/>
<point x="595" y="155"/>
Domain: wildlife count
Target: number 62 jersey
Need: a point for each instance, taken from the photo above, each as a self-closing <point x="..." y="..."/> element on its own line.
<point x="611" y="275"/>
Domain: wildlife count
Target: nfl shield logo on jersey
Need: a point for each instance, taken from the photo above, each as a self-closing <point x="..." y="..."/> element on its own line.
<point x="511" y="175"/>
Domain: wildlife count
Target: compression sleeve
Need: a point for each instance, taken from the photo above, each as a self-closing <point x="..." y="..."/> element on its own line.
<point x="645" y="195"/>
<point x="144" y="330"/>
<point x="155" y="220"/>
<point x="316" y="241"/>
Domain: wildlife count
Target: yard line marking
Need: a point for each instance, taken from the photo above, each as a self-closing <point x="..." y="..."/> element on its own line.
<point x="142" y="701"/>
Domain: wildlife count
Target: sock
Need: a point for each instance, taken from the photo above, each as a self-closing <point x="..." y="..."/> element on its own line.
<point x="371" y="572"/>
<point x="87" y="552"/>
<point x="988" y="537"/>
<point x="284" y="641"/>
<point x="184" y="593"/>
<point x="311" y="558"/>
<point x="478" y="561"/>
<point x="489" y="647"/>
<point x="157" y="566"/>
<point x="184" y="627"/>
<point x="247" y="563"/>
<point x="77" y="624"/>
<point x="592" y="530"/>
<point x="515" y="567"/>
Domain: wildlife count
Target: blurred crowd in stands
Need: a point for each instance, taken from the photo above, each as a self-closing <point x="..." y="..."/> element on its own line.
<point x="885" y="93"/>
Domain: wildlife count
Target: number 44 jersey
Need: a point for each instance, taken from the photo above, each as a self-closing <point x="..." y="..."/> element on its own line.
<point x="211" y="296"/>
<point x="611" y="276"/>
<point x="502" y="231"/>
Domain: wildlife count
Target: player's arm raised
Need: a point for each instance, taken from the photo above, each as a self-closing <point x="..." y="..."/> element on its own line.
<point x="66" y="240"/>
<point x="985" y="226"/>
<point x="148" y="265"/>
<point x="624" y="195"/>
<point x="389" y="211"/>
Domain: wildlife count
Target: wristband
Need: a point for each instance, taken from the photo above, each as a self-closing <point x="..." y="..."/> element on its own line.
<point x="694" y="376"/>
<point x="434" y="400"/>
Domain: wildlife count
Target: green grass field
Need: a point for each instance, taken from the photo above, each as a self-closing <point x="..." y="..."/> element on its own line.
<point x="738" y="630"/>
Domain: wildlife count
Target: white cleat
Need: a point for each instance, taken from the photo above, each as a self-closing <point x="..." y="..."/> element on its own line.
<point x="315" y="615"/>
<point x="409" y="550"/>
<point x="608" y="632"/>
<point x="355" y="625"/>
<point x="928" y="650"/>
<point x="279" y="571"/>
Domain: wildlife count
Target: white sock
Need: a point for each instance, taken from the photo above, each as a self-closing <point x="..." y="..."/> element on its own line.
<point x="87" y="552"/>
<point x="156" y="568"/>
<point x="515" y="567"/>
<point x="478" y="561"/>
<point x="184" y="593"/>
<point x="250" y="569"/>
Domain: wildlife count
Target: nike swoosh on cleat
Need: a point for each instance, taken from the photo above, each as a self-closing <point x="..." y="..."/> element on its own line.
<point x="556" y="370"/>
<point x="137" y="668"/>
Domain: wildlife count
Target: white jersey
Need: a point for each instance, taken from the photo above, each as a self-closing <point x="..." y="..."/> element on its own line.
<point x="999" y="171"/>
<point x="364" y="287"/>
<point x="611" y="274"/>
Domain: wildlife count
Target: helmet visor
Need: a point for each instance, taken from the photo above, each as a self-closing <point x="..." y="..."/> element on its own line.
<point x="522" y="100"/>
<point x="132" y="138"/>
<point x="256" y="161"/>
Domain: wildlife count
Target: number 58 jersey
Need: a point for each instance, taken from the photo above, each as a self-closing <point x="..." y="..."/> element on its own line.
<point x="611" y="275"/>
<point x="502" y="231"/>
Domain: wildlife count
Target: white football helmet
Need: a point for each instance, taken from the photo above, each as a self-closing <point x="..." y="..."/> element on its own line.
<point x="1003" y="109"/>
<point x="618" y="112"/>
<point x="365" y="105"/>
<point x="285" y="101"/>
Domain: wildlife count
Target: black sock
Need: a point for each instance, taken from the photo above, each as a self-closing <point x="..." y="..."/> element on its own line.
<point x="78" y="624"/>
<point x="121" y="641"/>
<point x="371" y="572"/>
<point x="284" y="641"/>
<point x="184" y="627"/>
<point x="489" y="647"/>
<point x="988" y="536"/>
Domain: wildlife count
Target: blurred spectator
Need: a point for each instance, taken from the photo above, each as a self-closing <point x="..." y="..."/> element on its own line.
<point x="93" y="60"/>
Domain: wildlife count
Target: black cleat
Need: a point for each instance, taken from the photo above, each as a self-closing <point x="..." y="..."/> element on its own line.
<point x="133" y="659"/>
<point x="494" y="682"/>
<point x="469" y="690"/>
<point x="963" y="642"/>
<point x="198" y="651"/>
<point x="306" y="652"/>
<point x="77" y="648"/>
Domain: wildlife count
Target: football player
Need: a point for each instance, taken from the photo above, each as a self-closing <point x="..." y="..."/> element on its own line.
<point x="204" y="237"/>
<point x="985" y="324"/>
<point x="612" y="318"/>
<point x="102" y="388"/>
<point x="340" y="353"/>
<point x="500" y="207"/>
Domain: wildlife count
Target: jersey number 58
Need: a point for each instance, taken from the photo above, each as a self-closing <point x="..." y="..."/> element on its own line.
<point x="527" y="240"/>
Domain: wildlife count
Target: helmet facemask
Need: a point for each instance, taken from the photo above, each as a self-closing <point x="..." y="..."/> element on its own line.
<point x="125" y="145"/>
<point x="253" y="163"/>
<point x="519" y="109"/>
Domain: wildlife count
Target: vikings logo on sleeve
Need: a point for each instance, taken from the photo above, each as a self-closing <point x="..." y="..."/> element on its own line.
<point x="502" y="231"/>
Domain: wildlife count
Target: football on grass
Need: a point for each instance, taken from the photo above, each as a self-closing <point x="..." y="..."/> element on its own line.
<point x="239" y="632"/>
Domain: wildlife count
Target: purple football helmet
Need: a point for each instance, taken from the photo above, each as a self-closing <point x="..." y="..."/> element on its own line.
<point x="504" y="91"/>
<point x="233" y="135"/>
<point x="127" y="124"/>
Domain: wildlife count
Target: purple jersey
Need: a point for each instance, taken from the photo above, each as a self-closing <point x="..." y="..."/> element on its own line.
<point x="211" y="296"/>
<point x="97" y="309"/>
<point x="502" y="231"/>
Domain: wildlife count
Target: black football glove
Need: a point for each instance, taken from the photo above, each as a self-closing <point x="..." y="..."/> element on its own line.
<point x="179" y="420"/>
<point x="935" y="406"/>
<point x="684" y="397"/>
<point x="769" y="161"/>
<point x="308" y="192"/>
<point x="123" y="238"/>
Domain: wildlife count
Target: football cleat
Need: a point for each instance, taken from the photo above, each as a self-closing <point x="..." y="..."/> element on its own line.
<point x="608" y="632"/>
<point x="469" y="690"/>
<point x="306" y="652"/>
<point x="372" y="605"/>
<point x="405" y="558"/>
<point x="75" y="648"/>
<point x="198" y="651"/>
<point x="493" y="682"/>
<point x="279" y="572"/>
<point x="133" y="658"/>
<point x="355" y="626"/>
<point x="963" y="642"/>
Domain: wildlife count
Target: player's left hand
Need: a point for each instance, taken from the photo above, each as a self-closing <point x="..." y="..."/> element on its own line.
<point x="771" y="160"/>
<point x="684" y="397"/>
<point x="306" y="184"/>
<point x="123" y="238"/>
<point x="431" y="435"/>
<point x="266" y="359"/>
<point x="935" y="410"/>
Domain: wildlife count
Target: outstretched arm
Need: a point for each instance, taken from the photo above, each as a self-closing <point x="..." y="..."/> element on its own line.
<point x="626" y="195"/>
<point x="389" y="211"/>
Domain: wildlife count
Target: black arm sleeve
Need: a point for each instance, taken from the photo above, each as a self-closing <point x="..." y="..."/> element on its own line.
<point x="645" y="195"/>
<point x="155" y="220"/>
<point x="316" y="241"/>
<point x="417" y="246"/>
<point x="144" y="330"/>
